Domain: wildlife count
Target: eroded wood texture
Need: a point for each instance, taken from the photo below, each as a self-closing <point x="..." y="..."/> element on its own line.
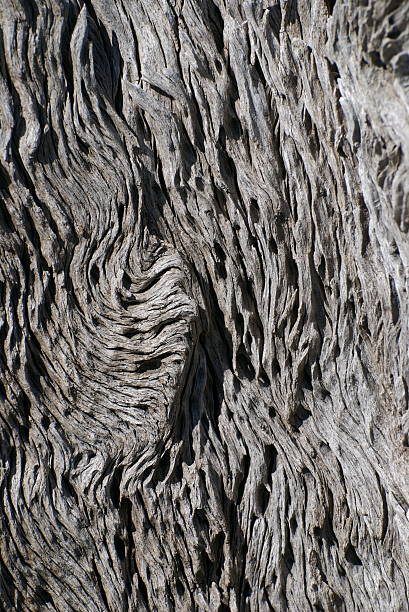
<point x="204" y="328"/>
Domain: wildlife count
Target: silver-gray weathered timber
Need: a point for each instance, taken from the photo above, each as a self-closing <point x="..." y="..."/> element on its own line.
<point x="204" y="215"/>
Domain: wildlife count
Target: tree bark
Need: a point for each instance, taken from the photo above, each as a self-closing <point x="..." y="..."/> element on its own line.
<point x="204" y="326"/>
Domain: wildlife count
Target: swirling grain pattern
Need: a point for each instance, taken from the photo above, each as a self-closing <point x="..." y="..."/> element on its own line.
<point x="204" y="218"/>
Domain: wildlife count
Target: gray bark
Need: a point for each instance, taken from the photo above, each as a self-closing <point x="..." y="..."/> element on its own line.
<point x="204" y="325"/>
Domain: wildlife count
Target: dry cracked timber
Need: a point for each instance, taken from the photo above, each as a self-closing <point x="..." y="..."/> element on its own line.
<point x="204" y="308"/>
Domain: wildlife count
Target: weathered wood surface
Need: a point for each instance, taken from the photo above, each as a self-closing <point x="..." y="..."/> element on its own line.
<point x="204" y="326"/>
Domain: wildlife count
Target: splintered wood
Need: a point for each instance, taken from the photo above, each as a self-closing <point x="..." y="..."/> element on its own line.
<point x="204" y="214"/>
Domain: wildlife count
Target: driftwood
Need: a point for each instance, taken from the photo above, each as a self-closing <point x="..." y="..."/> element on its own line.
<point x="204" y="325"/>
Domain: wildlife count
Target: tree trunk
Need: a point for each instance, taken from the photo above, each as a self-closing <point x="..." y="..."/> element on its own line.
<point x="204" y="329"/>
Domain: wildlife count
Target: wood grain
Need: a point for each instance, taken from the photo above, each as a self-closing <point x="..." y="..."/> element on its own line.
<point x="204" y="336"/>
